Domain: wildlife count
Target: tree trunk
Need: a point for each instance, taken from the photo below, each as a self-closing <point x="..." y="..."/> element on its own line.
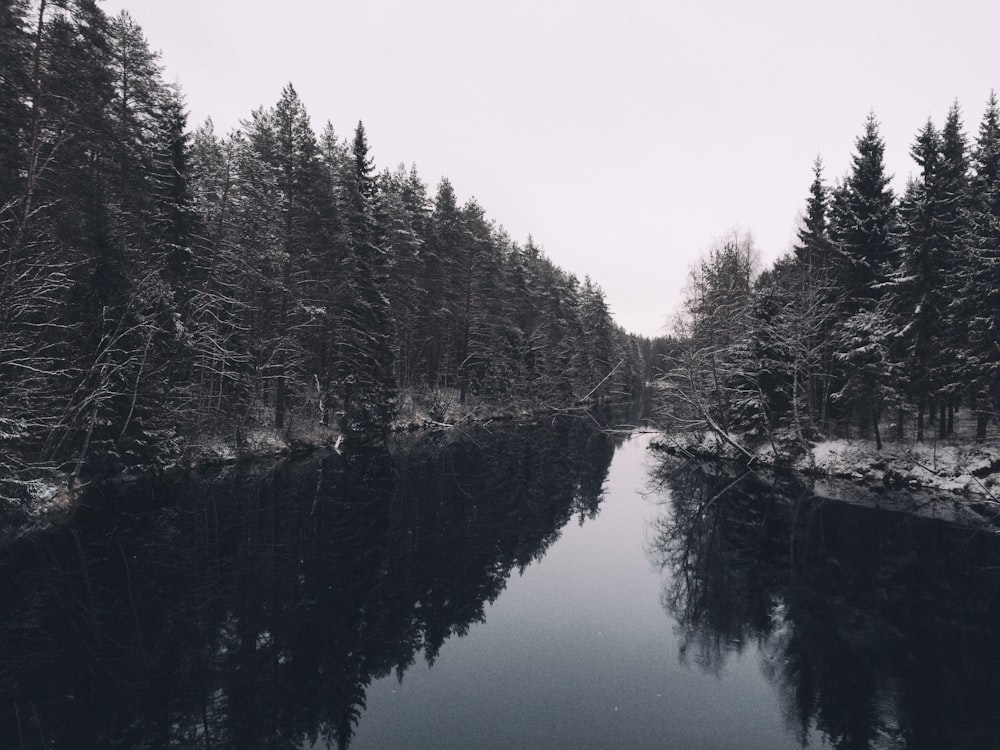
<point x="982" y="421"/>
<point x="723" y="407"/>
<point x="983" y="412"/>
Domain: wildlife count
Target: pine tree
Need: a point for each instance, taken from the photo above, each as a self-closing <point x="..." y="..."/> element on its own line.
<point x="982" y="271"/>
<point x="955" y="230"/>
<point x="216" y="316"/>
<point x="863" y="222"/>
<point x="813" y="248"/>
<point x="365" y="358"/>
<point x="863" y="226"/>
<point x="69" y="192"/>
<point x="869" y="388"/>
<point x="15" y="129"/>
<point x="282" y="221"/>
<point x="916" y="294"/>
<point x="15" y="76"/>
<point x="812" y="302"/>
<point x="361" y="190"/>
<point x="135" y="113"/>
<point x="599" y="341"/>
<point x="479" y="278"/>
<point x="443" y="295"/>
<point x="174" y="217"/>
<point x="520" y="313"/>
<point x="955" y="178"/>
<point x="402" y="216"/>
<point x="21" y="286"/>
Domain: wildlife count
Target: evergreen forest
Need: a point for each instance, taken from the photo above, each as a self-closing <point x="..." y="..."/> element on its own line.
<point x="161" y="287"/>
<point x="883" y="321"/>
<point x="165" y="287"/>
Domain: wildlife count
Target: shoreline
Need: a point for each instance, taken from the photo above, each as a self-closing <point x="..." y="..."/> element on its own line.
<point x="51" y="498"/>
<point x="956" y="481"/>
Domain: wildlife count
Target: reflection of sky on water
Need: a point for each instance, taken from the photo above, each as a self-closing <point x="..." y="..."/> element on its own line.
<point x="578" y="653"/>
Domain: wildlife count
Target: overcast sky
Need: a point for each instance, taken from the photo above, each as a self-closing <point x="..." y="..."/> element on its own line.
<point x="624" y="136"/>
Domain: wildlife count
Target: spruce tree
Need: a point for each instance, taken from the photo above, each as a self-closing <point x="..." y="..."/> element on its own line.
<point x="174" y="216"/>
<point x="982" y="275"/>
<point x="806" y="312"/>
<point x="281" y="221"/>
<point x="134" y="113"/>
<point x="955" y="231"/>
<point x="863" y="222"/>
<point x="442" y="287"/>
<point x="479" y="277"/>
<point x="365" y="359"/>
<point x="916" y="296"/>
<point x="813" y="248"/>
<point x="955" y="175"/>
<point x="870" y="385"/>
<point x="862" y="227"/>
<point x="361" y="190"/>
<point x="598" y="341"/>
<point x="402" y="216"/>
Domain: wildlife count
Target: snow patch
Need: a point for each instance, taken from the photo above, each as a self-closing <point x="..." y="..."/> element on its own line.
<point x="265" y="441"/>
<point x="951" y="467"/>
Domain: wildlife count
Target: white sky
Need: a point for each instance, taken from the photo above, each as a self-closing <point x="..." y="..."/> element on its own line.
<point x="625" y="135"/>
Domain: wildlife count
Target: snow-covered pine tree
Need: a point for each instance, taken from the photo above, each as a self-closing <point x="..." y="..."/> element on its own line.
<point x="813" y="248"/>
<point x="981" y="282"/>
<point x="365" y="357"/>
<point x="863" y="222"/>
<point x="955" y="231"/>
<point x="915" y="291"/>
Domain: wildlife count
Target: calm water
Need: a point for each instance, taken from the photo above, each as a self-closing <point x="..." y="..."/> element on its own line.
<point x="549" y="587"/>
<point x="578" y="652"/>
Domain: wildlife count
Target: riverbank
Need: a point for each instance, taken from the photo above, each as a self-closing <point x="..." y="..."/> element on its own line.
<point x="956" y="466"/>
<point x="956" y="479"/>
<point x="51" y="494"/>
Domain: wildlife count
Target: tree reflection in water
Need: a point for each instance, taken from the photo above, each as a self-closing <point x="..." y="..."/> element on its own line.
<point x="879" y="630"/>
<point x="254" y="609"/>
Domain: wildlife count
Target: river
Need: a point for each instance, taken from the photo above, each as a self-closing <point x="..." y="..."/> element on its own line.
<point x="550" y="586"/>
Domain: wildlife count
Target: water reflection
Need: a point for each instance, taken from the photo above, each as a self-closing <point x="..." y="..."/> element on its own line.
<point x="254" y="610"/>
<point x="878" y="630"/>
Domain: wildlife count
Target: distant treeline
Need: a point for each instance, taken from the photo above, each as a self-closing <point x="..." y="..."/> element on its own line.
<point x="886" y="312"/>
<point x="159" y="285"/>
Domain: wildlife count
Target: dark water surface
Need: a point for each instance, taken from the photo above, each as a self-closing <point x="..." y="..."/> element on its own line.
<point x="545" y="587"/>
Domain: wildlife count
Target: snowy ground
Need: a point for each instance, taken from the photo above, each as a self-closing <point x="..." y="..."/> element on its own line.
<point x="963" y="467"/>
<point x="956" y="479"/>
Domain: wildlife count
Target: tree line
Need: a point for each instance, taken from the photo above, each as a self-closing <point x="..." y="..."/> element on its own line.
<point x="883" y="319"/>
<point x="159" y="285"/>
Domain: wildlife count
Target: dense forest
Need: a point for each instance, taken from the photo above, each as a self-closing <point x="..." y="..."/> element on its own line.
<point x="161" y="286"/>
<point x="883" y="320"/>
